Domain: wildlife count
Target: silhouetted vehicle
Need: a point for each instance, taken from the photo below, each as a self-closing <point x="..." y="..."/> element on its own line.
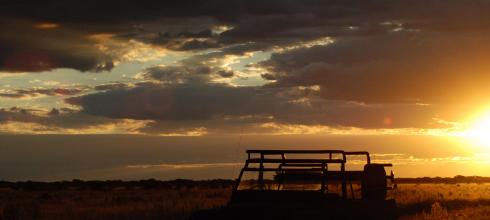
<point x="304" y="184"/>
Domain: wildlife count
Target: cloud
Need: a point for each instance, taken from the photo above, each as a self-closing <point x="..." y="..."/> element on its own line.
<point x="369" y="65"/>
<point x="111" y="86"/>
<point x="179" y="74"/>
<point x="26" y="48"/>
<point x="43" y="36"/>
<point x="54" y="35"/>
<point x="178" y="102"/>
<point x="35" y="92"/>
<point x="218" y="107"/>
<point x="396" y="67"/>
<point x="63" y="121"/>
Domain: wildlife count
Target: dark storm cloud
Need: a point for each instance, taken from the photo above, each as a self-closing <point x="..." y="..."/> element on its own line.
<point x="27" y="48"/>
<point x="55" y="119"/>
<point x="216" y="106"/>
<point x="421" y="12"/>
<point x="179" y="41"/>
<point x="188" y="25"/>
<point x="402" y="66"/>
<point x="186" y="74"/>
<point x="226" y="74"/>
<point x="197" y="44"/>
<point x="338" y="115"/>
<point x="179" y="102"/>
<point x="179" y="74"/>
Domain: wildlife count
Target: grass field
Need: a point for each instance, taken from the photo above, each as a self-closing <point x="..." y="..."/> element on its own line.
<point x="113" y="204"/>
<point x="415" y="201"/>
<point x="443" y="201"/>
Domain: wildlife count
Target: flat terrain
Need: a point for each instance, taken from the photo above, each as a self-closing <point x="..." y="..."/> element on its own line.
<point x="178" y="199"/>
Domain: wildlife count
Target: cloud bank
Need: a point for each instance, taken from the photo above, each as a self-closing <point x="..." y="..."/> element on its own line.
<point x="324" y="64"/>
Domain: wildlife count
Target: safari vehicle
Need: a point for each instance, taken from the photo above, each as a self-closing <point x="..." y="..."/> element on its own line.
<point x="305" y="185"/>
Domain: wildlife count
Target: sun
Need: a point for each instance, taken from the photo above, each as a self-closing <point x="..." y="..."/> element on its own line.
<point x="480" y="131"/>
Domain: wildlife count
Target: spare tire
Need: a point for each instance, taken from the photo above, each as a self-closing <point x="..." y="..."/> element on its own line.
<point x="373" y="184"/>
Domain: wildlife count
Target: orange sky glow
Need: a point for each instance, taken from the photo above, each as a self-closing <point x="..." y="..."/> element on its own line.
<point x="202" y="82"/>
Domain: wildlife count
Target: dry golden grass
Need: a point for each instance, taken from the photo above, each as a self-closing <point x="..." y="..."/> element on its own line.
<point x="415" y="201"/>
<point x="415" y="193"/>
<point x="443" y="201"/>
<point x="113" y="204"/>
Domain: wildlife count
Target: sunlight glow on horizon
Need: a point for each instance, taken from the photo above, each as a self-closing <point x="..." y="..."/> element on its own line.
<point x="477" y="131"/>
<point x="480" y="131"/>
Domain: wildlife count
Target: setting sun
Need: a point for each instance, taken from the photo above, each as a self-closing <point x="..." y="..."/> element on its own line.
<point x="479" y="132"/>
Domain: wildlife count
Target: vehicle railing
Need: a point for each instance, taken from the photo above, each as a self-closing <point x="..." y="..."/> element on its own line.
<point x="317" y="165"/>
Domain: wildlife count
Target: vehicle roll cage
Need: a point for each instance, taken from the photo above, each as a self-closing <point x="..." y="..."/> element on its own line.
<point x="318" y="164"/>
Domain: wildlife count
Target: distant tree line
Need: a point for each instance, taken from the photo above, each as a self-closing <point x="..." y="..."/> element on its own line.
<point x="449" y="180"/>
<point x="77" y="184"/>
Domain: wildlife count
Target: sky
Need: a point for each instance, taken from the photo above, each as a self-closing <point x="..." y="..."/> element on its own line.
<point x="109" y="89"/>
